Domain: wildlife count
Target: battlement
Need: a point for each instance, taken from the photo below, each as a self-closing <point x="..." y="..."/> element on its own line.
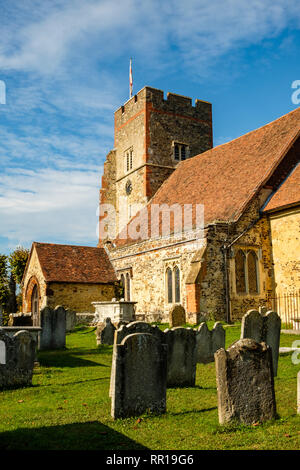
<point x="174" y="103"/>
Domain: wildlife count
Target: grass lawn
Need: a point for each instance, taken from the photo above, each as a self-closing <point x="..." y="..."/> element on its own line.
<point x="68" y="407"/>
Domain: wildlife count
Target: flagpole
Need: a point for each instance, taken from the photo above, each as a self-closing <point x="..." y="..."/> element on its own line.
<point x="130" y="78"/>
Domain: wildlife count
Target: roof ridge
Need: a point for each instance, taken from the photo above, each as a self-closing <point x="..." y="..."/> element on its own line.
<point x="67" y="244"/>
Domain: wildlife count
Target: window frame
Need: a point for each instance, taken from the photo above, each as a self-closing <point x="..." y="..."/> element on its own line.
<point x="180" y="146"/>
<point x="247" y="251"/>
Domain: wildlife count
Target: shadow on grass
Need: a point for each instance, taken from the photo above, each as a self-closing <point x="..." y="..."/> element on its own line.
<point x="92" y="435"/>
<point x="181" y="413"/>
<point x="98" y="379"/>
<point x="67" y="358"/>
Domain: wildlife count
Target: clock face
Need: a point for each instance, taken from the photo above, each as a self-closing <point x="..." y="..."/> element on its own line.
<point x="128" y="187"/>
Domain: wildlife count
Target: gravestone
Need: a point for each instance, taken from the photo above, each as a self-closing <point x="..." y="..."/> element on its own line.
<point x="177" y="316"/>
<point x="16" y="359"/>
<point x="105" y="332"/>
<point x="53" y="324"/>
<point x="2" y="352"/>
<point x="70" y="320"/>
<point x="245" y="382"/>
<point x="128" y="329"/>
<point x="137" y="327"/>
<point x="139" y="383"/>
<point x="208" y="342"/>
<point x="298" y="392"/>
<point x="181" y="370"/>
<point x="252" y="325"/>
<point x="263" y="328"/>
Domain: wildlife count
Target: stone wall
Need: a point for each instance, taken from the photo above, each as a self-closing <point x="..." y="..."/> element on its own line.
<point x="78" y="297"/>
<point x="285" y="228"/>
<point x="149" y="260"/>
<point x="34" y="276"/>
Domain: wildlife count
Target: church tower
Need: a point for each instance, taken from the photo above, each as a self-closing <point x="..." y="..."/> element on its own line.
<point x="151" y="136"/>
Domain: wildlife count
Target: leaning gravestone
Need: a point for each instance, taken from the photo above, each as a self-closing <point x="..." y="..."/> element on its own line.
<point x="245" y="382"/>
<point x="53" y="324"/>
<point x="263" y="328"/>
<point x="105" y="332"/>
<point x="16" y="359"/>
<point x="129" y="329"/>
<point x="139" y="383"/>
<point x="208" y="342"/>
<point x="181" y="344"/>
<point x="177" y="316"/>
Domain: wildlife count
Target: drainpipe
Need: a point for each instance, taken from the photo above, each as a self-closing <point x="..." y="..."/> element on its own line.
<point x="225" y="250"/>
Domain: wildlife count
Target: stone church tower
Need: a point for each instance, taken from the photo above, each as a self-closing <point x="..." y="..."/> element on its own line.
<point x="152" y="135"/>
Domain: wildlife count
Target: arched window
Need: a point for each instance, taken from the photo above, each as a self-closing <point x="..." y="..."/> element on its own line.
<point x="127" y="296"/>
<point x="177" y="284"/>
<point x="169" y="285"/>
<point x="122" y="279"/>
<point x="240" y="272"/>
<point x="252" y="272"/>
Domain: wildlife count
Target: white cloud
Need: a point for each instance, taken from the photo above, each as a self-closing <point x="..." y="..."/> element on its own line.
<point x="49" y="205"/>
<point x="201" y="31"/>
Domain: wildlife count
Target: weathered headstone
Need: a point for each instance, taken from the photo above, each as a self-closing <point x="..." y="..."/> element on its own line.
<point x="70" y="320"/>
<point x="2" y="352"/>
<point x="129" y="329"/>
<point x="137" y="327"/>
<point x="245" y="382"/>
<point x="53" y="323"/>
<point x="252" y="325"/>
<point x="16" y="359"/>
<point x="271" y="336"/>
<point x="105" y="332"/>
<point x="181" y="344"/>
<point x="208" y="342"/>
<point x="263" y="328"/>
<point x="139" y="382"/>
<point x="177" y="316"/>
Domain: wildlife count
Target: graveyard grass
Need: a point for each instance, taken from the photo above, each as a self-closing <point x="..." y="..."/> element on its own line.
<point x="68" y="407"/>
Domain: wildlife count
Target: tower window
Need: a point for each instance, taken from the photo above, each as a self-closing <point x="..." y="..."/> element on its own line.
<point x="128" y="159"/>
<point x="180" y="151"/>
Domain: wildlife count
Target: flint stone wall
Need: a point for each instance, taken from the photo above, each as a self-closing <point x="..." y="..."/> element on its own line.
<point x="139" y="382"/>
<point x="53" y="324"/>
<point x="181" y="367"/>
<point x="208" y="342"/>
<point x="245" y="382"/>
<point x="17" y="356"/>
<point x="263" y="327"/>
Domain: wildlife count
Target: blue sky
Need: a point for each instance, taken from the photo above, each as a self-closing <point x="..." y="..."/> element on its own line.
<point x="65" y="67"/>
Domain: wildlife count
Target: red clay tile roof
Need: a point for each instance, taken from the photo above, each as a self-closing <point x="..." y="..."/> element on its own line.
<point x="225" y="178"/>
<point x="70" y="263"/>
<point x="288" y="193"/>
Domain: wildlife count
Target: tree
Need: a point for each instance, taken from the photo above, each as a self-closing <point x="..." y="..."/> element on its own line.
<point x="4" y="281"/>
<point x="17" y="263"/>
